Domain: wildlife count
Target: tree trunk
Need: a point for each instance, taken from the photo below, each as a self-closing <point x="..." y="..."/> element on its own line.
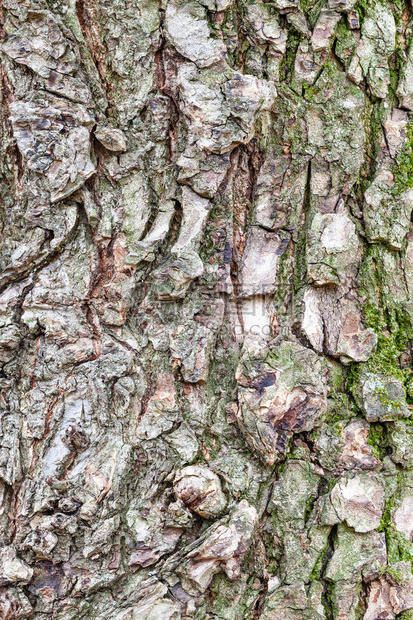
<point x="206" y="310"/>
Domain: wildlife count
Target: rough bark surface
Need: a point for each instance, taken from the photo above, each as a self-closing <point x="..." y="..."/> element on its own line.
<point x="206" y="301"/>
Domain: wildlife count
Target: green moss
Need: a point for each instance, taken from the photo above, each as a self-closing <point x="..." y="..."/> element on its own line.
<point x="362" y="8"/>
<point x="397" y="575"/>
<point x="346" y="43"/>
<point x="300" y="259"/>
<point x="288" y="60"/>
<point x="393" y="327"/>
<point x="403" y="168"/>
<point x="377" y="440"/>
<point x="312" y="10"/>
<point x="341" y="407"/>
<point x="390" y="319"/>
<point x="309" y="92"/>
<point x="394" y="330"/>
<point x="317" y="572"/>
<point x="398" y="547"/>
<point x="385" y="400"/>
<point x="373" y="118"/>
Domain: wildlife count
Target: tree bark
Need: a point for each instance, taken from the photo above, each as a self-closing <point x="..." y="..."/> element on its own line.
<point x="206" y="297"/>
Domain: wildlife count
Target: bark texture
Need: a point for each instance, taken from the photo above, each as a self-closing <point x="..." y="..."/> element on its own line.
<point x="206" y="301"/>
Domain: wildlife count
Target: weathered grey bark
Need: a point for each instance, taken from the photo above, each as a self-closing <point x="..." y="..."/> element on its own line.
<point x="206" y="309"/>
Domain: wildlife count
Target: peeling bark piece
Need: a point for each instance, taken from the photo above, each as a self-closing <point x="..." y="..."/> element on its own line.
<point x="146" y="248"/>
<point x="266" y="27"/>
<point x="41" y="544"/>
<point x="184" y="442"/>
<point x="40" y="45"/>
<point x="157" y="535"/>
<point x="333" y="251"/>
<point x="268" y="41"/>
<point x="279" y="190"/>
<point x="101" y="540"/>
<point x="35" y="250"/>
<point x="125" y="41"/>
<point x="12" y="569"/>
<point x="295" y="602"/>
<point x="387" y="208"/>
<point x="292" y="495"/>
<point x="136" y="209"/>
<point x="306" y="66"/>
<point x="191" y="346"/>
<point x="354" y="71"/>
<point x="345" y="447"/>
<point x="333" y="324"/>
<point x="173" y="279"/>
<point x="402" y="517"/>
<point x="200" y="489"/>
<point x="59" y="453"/>
<point x="342" y="5"/>
<point x="285" y="6"/>
<point x="175" y="276"/>
<point x="392" y="593"/>
<point x="10" y="334"/>
<point x="258" y="320"/>
<point x="152" y="604"/>
<point x="187" y="30"/>
<point x="345" y="598"/>
<point x="324" y="29"/>
<point x="400" y="439"/>
<point x="98" y="473"/>
<point x="394" y="125"/>
<point x="358" y="500"/>
<point x="387" y="218"/>
<point x="113" y="139"/>
<point x="353" y="20"/>
<point x="408" y="265"/>
<point x="53" y="136"/>
<point x="310" y="55"/>
<point x="357" y="554"/>
<point x="195" y="213"/>
<point x="203" y="174"/>
<point x="258" y="271"/>
<point x="382" y="398"/>
<point x="376" y="46"/>
<point x="120" y="166"/>
<point x="302" y="550"/>
<point x="355" y="344"/>
<point x="217" y="5"/>
<point x="339" y="143"/>
<point x="283" y="395"/>
<point x="312" y="322"/>
<point x="161" y="411"/>
<point x="221" y="113"/>
<point x="405" y="85"/>
<point x="14" y="604"/>
<point x="297" y="483"/>
<point x="10" y="457"/>
<point x="246" y="96"/>
<point x="10" y="339"/>
<point x="221" y="547"/>
<point x="298" y="20"/>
